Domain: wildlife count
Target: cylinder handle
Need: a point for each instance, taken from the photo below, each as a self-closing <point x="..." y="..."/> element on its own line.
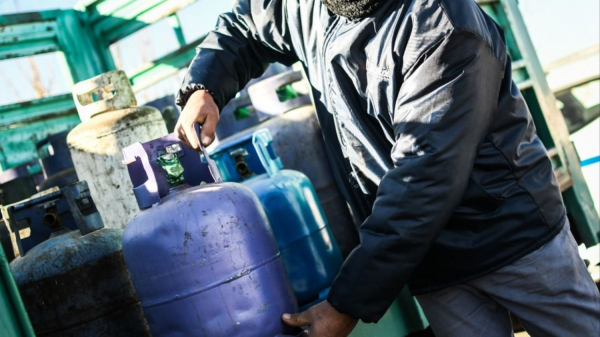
<point x="212" y="166"/>
<point x="106" y="92"/>
<point x="265" y="97"/>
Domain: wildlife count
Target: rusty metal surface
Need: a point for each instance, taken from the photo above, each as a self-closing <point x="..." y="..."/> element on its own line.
<point x="74" y="285"/>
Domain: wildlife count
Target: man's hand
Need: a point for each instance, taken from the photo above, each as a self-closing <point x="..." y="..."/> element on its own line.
<point x="200" y="108"/>
<point x="322" y="320"/>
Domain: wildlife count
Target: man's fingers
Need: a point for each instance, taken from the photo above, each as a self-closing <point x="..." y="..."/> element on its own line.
<point x="190" y="134"/>
<point x="200" y="109"/>
<point x="181" y="135"/>
<point x="208" y="129"/>
<point x="296" y="320"/>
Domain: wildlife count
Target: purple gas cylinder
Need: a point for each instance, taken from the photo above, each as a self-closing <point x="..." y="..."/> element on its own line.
<point x="202" y="257"/>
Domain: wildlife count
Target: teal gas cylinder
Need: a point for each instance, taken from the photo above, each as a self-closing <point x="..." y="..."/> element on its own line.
<point x="310" y="253"/>
<point x="282" y="105"/>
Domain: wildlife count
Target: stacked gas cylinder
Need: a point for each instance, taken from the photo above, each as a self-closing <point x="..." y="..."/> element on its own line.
<point x="215" y="239"/>
<point x="111" y="121"/>
<point x="247" y="153"/>
<point x="195" y="239"/>
<point x="68" y="267"/>
<point x="215" y="245"/>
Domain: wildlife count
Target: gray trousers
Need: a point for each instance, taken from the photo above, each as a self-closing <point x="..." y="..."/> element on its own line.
<point x="549" y="290"/>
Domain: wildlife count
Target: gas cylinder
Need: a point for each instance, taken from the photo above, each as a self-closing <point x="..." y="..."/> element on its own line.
<point x="310" y="253"/>
<point x="56" y="162"/>
<point x="110" y="122"/>
<point x="201" y="255"/>
<point x="287" y="112"/>
<point x="239" y="114"/>
<point x="75" y="282"/>
<point x="20" y="216"/>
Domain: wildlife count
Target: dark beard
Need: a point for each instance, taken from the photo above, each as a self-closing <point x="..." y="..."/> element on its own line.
<point x="352" y="8"/>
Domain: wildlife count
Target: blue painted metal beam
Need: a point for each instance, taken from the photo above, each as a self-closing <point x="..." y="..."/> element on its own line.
<point x="590" y="161"/>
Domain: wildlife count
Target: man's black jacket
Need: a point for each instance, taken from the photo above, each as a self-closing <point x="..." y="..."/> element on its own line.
<point x="423" y="123"/>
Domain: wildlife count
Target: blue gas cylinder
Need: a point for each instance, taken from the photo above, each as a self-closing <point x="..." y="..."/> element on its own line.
<point x="201" y="255"/>
<point x="282" y="105"/>
<point x="311" y="255"/>
<point x="41" y="212"/>
<point x="73" y="282"/>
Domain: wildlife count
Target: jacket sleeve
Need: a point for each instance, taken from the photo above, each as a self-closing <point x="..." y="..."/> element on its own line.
<point x="441" y="116"/>
<point x="240" y="48"/>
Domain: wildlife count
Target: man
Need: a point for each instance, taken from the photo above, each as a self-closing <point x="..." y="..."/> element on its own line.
<point x="424" y="127"/>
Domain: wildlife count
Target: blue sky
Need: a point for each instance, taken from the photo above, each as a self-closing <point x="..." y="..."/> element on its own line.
<point x="557" y="27"/>
<point x="561" y="27"/>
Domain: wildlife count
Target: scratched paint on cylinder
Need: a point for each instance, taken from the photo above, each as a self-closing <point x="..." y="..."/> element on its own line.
<point x="204" y="263"/>
<point x="74" y="285"/>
